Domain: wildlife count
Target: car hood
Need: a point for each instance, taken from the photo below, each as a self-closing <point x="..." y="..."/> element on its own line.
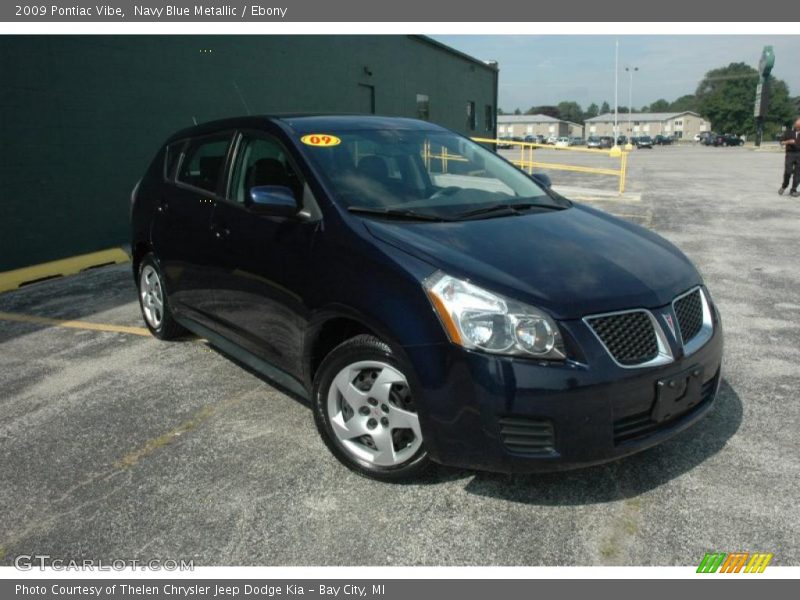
<point x="571" y="262"/>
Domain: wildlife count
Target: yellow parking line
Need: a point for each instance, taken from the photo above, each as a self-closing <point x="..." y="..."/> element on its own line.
<point x="21" y="318"/>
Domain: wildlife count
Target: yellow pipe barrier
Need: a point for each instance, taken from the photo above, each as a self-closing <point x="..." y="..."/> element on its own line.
<point x="527" y="165"/>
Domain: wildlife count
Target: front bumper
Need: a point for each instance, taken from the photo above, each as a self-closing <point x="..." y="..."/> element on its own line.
<point x="518" y="415"/>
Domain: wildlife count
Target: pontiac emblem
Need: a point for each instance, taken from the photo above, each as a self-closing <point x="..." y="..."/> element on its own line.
<point x="671" y="324"/>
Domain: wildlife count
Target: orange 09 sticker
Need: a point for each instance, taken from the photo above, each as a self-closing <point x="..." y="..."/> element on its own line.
<point x="320" y="139"/>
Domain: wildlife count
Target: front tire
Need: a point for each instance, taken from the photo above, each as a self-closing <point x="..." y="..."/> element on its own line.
<point x="154" y="303"/>
<point x="365" y="413"/>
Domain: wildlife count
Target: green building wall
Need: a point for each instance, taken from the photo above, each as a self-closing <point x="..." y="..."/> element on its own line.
<point x="83" y="115"/>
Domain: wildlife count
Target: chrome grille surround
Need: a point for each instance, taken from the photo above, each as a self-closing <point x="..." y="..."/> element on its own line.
<point x="663" y="354"/>
<point x="694" y="343"/>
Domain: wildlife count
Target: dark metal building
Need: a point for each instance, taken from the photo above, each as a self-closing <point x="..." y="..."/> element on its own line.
<point x="81" y="116"/>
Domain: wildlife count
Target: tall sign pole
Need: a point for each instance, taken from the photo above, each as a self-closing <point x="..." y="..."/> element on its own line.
<point x="762" y="91"/>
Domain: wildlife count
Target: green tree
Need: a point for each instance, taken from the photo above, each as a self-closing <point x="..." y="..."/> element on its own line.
<point x="550" y="111"/>
<point x="570" y="111"/>
<point x="592" y="111"/>
<point x="517" y="111"/>
<point x="605" y="108"/>
<point x="659" y="105"/>
<point x="500" y="112"/>
<point x="684" y="103"/>
<point x="726" y="97"/>
<point x="782" y="110"/>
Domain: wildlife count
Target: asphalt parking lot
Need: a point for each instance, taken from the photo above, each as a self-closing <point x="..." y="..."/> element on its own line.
<point x="116" y="445"/>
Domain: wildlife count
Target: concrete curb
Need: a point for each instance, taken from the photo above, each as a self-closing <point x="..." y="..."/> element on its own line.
<point x="11" y="280"/>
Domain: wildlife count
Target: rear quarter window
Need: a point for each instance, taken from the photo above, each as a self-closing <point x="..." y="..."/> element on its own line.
<point x="171" y="155"/>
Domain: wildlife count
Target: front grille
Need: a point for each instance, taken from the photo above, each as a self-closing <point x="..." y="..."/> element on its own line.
<point x="532" y="437"/>
<point x="689" y="312"/>
<point x="629" y="336"/>
<point x="641" y="425"/>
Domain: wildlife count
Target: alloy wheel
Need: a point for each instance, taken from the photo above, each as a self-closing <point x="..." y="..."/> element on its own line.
<point x="152" y="296"/>
<point x="372" y="414"/>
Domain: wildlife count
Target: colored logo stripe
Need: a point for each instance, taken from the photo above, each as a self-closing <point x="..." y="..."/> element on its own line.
<point x="711" y="562"/>
<point x="734" y="562"/>
<point x="758" y="562"/>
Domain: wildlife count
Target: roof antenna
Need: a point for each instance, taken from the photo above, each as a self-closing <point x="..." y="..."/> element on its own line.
<point x="194" y="119"/>
<point x="241" y="97"/>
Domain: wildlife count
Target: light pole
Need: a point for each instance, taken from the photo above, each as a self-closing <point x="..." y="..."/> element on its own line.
<point x="631" y="71"/>
<point x="615" y="149"/>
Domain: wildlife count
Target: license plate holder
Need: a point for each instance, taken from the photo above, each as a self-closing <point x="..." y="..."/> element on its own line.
<point x="677" y="394"/>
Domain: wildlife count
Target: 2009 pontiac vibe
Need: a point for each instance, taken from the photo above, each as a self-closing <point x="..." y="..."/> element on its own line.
<point x="433" y="301"/>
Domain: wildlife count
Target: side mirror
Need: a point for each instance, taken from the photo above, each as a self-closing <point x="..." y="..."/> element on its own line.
<point x="542" y="179"/>
<point x="273" y="201"/>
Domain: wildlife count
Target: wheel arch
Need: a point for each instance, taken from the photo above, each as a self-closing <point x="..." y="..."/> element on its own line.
<point x="139" y="250"/>
<point x="335" y="325"/>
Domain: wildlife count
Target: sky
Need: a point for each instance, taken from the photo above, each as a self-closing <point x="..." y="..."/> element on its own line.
<point x="543" y="70"/>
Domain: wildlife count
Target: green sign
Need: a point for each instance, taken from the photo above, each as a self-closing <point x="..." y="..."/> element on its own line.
<point x="762" y="89"/>
<point x="767" y="62"/>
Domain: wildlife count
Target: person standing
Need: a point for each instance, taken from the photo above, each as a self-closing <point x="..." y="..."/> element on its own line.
<point x="791" y="141"/>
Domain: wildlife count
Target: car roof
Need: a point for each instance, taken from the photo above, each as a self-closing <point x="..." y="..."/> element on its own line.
<point x="302" y="124"/>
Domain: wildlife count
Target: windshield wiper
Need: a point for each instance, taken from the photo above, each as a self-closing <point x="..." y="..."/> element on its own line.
<point x="506" y="208"/>
<point x="395" y="213"/>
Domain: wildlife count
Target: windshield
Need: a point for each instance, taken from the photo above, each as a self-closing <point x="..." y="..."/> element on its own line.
<point x="430" y="173"/>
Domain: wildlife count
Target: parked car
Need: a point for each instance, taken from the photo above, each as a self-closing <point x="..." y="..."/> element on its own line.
<point x="593" y="142"/>
<point x="606" y="141"/>
<point x="728" y="139"/>
<point x="708" y="138"/>
<point x="698" y="136"/>
<point x="535" y="139"/>
<point x="324" y="254"/>
<point x="662" y="140"/>
<point x="644" y="141"/>
<point x="577" y="141"/>
<point x="562" y="142"/>
<point x="622" y="140"/>
<point x="505" y="143"/>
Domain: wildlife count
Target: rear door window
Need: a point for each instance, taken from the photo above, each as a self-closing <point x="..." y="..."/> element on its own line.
<point x="204" y="162"/>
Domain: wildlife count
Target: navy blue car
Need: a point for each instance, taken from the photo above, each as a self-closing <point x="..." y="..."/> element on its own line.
<point x="432" y="301"/>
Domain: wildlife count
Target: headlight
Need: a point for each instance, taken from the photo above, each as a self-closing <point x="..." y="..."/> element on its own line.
<point x="481" y="320"/>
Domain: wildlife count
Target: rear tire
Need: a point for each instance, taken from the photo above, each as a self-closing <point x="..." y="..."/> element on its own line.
<point x="365" y="413"/>
<point x="154" y="303"/>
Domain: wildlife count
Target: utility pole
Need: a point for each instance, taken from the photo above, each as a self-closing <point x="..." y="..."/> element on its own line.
<point x="615" y="149"/>
<point x="630" y="70"/>
<point x="616" y="91"/>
